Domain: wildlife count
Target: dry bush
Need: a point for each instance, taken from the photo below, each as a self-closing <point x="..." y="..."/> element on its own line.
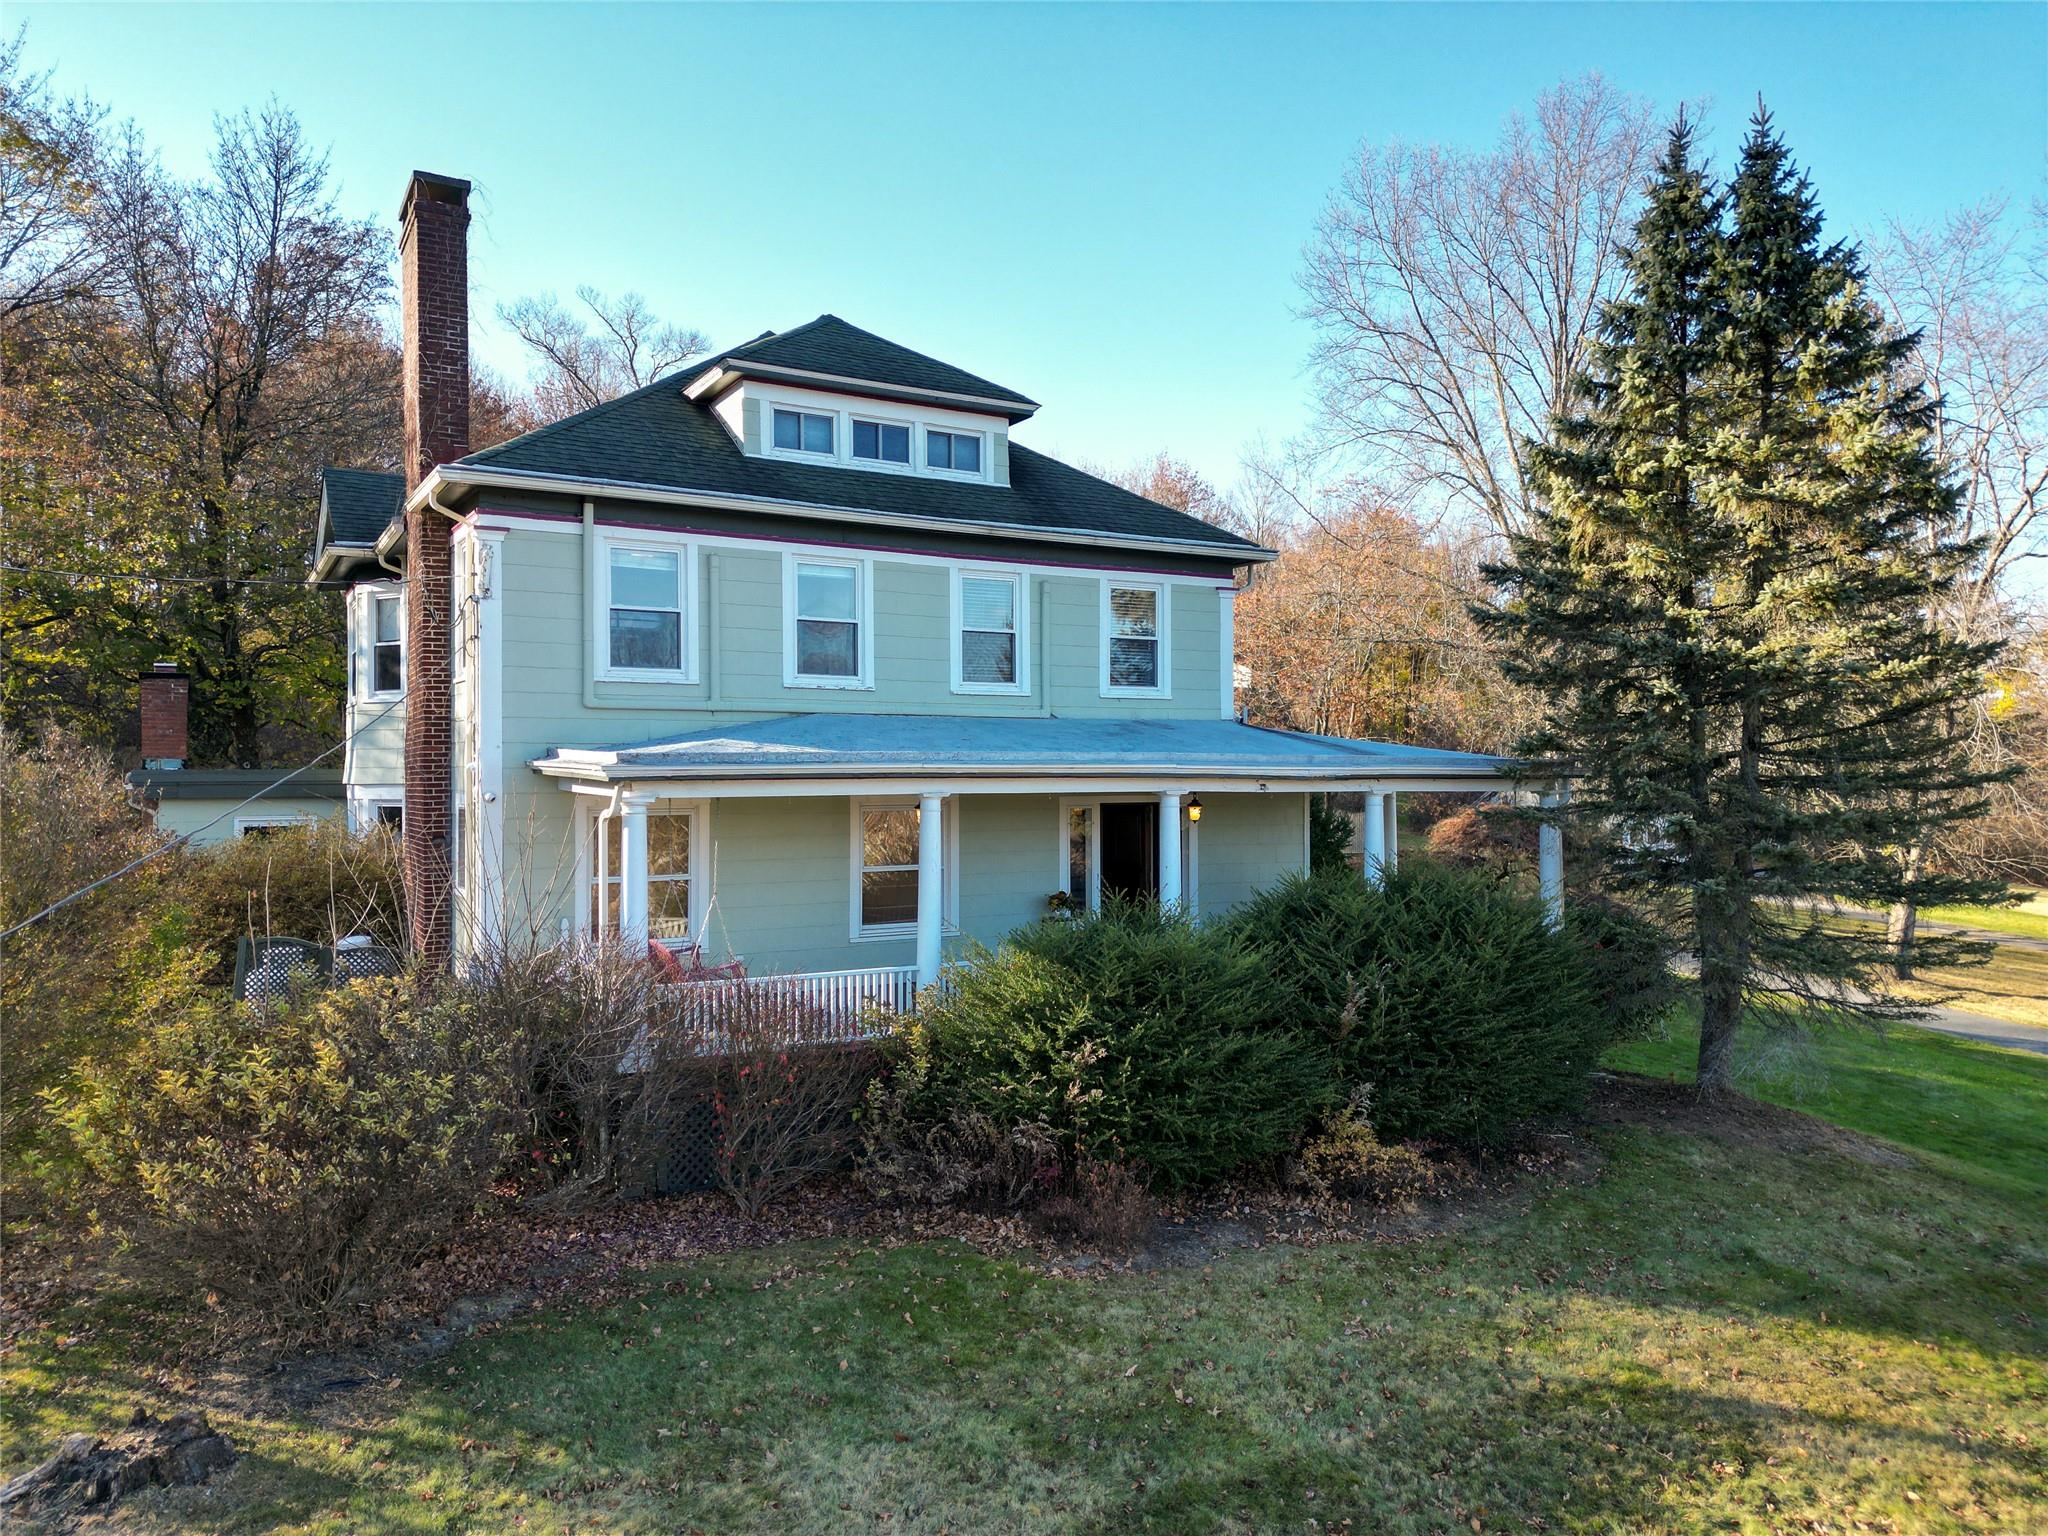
<point x="1104" y="1205"/>
<point x="962" y="1158"/>
<point x="1348" y="1161"/>
<point x="318" y="882"/>
<point x="600" y="1080"/>
<point x="1493" y="839"/>
<point x="65" y="821"/>
<point x="294" y="1160"/>
<point x="785" y="1080"/>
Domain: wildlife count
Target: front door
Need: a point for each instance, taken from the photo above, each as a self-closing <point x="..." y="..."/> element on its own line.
<point x="1130" y="850"/>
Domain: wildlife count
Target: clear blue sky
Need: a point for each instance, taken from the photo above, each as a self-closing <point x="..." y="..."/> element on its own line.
<point x="1100" y="206"/>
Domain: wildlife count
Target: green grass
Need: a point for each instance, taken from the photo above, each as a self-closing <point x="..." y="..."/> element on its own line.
<point x="2028" y="918"/>
<point x="1980" y="1112"/>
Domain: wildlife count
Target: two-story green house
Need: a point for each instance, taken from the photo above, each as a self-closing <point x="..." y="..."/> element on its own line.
<point x="798" y="657"/>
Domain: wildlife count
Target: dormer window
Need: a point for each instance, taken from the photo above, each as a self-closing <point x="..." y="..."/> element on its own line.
<point x="882" y="441"/>
<point x="957" y="451"/>
<point x="803" y="432"/>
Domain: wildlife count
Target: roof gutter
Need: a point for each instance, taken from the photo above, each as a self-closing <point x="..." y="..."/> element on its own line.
<point x="482" y="477"/>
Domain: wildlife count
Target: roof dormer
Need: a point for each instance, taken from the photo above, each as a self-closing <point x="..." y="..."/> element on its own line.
<point x="831" y="393"/>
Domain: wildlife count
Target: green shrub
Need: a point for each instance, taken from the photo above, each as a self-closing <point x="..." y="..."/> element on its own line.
<point x="1444" y="993"/>
<point x="1130" y="1035"/>
<point x="293" y="1160"/>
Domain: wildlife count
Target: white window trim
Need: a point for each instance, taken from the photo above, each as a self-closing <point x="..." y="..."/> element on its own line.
<point x="699" y="811"/>
<point x="1164" y="639"/>
<point x="685" y="551"/>
<point x="969" y="477"/>
<point x="881" y="419"/>
<point x="864" y="598"/>
<point x="840" y="445"/>
<point x="1022" y="583"/>
<point x="390" y="592"/>
<point x="1190" y="848"/>
<point x="949" y="882"/>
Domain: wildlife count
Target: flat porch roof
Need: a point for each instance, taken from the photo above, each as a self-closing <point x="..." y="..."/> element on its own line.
<point x="994" y="754"/>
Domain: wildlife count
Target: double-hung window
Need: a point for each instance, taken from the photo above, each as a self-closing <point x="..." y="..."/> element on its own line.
<point x="826" y="641"/>
<point x="646" y="634"/>
<point x="957" y="451"/>
<point x="885" y="442"/>
<point x="988" y="632"/>
<point x="387" y="646"/>
<point x="885" y="836"/>
<point x="803" y="431"/>
<point x="1133" y="638"/>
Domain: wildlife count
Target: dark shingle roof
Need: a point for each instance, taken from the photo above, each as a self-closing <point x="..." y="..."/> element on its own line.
<point x="360" y="503"/>
<point x="657" y="436"/>
<point x="829" y="345"/>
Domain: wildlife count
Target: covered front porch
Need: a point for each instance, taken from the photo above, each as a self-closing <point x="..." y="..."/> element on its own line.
<point x="854" y="850"/>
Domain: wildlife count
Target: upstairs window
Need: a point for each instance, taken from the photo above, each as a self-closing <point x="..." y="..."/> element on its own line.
<point x="1133" y="626"/>
<point x="387" y="646"/>
<point x="882" y="441"/>
<point x="957" y="451"/>
<point x="826" y="646"/>
<point x="988" y="613"/>
<point x="644" y="608"/>
<point x="803" y="432"/>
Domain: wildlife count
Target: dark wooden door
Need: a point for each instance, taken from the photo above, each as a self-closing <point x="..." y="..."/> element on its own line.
<point x="1130" y="850"/>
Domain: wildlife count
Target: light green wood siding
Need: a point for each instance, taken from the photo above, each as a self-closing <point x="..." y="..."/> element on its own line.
<point x="1248" y="842"/>
<point x="179" y="817"/>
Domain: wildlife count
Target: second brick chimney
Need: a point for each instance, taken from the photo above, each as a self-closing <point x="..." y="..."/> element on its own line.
<point x="433" y="260"/>
<point x="166" y="715"/>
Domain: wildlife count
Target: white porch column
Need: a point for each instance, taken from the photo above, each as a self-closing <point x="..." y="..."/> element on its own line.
<point x="931" y="885"/>
<point x="1550" y="864"/>
<point x="1170" y="893"/>
<point x="1391" y="853"/>
<point x="633" y="869"/>
<point x="1375" y="836"/>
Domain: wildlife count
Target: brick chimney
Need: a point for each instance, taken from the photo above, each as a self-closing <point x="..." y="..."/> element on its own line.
<point x="433" y="261"/>
<point x="166" y="707"/>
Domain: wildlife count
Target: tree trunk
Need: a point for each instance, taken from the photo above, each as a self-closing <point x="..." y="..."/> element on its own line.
<point x="1904" y="921"/>
<point x="1723" y="965"/>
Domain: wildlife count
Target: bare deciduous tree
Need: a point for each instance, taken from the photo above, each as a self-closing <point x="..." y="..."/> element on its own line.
<point x="48" y="151"/>
<point x="1974" y="289"/>
<point x="584" y="361"/>
<point x="1452" y="293"/>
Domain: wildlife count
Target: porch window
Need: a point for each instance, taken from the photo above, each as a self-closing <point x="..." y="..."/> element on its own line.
<point x="885" y="868"/>
<point x="988" y="639"/>
<point x="827" y="647"/>
<point x="669" y="844"/>
<point x="1134" y="631"/>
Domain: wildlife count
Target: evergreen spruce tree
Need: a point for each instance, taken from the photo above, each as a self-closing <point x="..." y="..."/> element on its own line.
<point x="1725" y="600"/>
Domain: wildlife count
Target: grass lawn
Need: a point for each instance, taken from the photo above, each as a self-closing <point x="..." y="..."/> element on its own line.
<point x="1715" y="1332"/>
<point x="2029" y="918"/>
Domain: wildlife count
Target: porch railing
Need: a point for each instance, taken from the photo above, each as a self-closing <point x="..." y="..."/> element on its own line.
<point x="844" y="996"/>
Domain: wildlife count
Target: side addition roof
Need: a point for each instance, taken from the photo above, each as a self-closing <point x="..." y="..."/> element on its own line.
<point x="356" y="506"/>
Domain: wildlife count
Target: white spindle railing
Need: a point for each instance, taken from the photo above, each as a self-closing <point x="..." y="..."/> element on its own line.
<point x="844" y="996"/>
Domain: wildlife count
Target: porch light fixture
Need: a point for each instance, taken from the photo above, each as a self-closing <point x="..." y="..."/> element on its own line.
<point x="1194" y="807"/>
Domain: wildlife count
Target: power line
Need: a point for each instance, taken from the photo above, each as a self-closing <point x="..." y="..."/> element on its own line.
<point x="185" y="837"/>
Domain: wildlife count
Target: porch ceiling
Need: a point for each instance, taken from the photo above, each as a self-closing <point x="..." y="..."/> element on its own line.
<point x="856" y="746"/>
